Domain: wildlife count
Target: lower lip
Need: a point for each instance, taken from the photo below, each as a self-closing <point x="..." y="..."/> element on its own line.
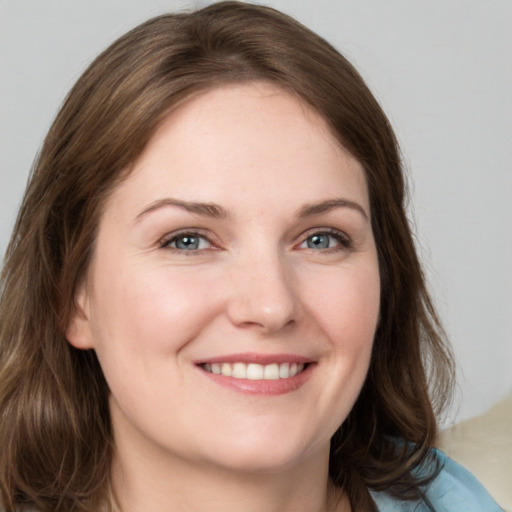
<point x="262" y="387"/>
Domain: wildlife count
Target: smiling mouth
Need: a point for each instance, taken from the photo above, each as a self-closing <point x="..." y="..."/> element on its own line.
<point x="254" y="371"/>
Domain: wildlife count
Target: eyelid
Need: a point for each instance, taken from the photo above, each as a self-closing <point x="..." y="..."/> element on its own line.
<point x="344" y="240"/>
<point x="193" y="232"/>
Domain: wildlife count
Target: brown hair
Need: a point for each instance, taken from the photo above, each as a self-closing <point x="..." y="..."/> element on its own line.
<point x="56" y="438"/>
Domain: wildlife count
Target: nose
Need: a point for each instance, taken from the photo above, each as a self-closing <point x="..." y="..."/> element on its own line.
<point x="263" y="295"/>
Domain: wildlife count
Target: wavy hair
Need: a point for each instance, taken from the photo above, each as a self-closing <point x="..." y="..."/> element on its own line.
<point x="56" y="437"/>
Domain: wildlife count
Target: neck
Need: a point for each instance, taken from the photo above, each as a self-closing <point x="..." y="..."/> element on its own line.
<point x="164" y="484"/>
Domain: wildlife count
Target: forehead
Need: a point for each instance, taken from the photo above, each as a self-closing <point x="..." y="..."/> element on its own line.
<point x="244" y="139"/>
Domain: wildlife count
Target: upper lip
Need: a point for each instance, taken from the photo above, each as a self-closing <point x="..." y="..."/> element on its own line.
<point x="256" y="358"/>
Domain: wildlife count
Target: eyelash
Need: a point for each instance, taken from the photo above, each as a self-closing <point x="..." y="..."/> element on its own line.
<point x="194" y="233"/>
<point x="343" y="240"/>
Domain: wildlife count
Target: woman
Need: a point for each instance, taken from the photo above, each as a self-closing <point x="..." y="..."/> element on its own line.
<point x="212" y="298"/>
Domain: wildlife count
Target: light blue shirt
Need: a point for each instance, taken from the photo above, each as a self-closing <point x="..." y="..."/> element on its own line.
<point x="455" y="489"/>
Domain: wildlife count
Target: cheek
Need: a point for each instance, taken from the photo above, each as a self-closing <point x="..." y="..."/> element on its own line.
<point x="346" y="306"/>
<point x="147" y="314"/>
<point x="141" y="323"/>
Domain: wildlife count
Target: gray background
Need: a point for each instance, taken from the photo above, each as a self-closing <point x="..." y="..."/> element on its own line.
<point x="442" y="71"/>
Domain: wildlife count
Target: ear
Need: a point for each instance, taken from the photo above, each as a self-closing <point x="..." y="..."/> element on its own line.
<point x="78" y="331"/>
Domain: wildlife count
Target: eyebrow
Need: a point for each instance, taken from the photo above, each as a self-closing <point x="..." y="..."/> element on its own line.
<point x="326" y="206"/>
<point x="218" y="212"/>
<point x="206" y="209"/>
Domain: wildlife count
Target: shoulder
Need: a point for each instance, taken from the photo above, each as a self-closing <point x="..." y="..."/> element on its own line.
<point x="453" y="490"/>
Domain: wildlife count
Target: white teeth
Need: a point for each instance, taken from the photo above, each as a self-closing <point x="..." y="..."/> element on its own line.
<point x="226" y="370"/>
<point x="239" y="371"/>
<point x="284" y="370"/>
<point x="271" y="372"/>
<point x="253" y="371"/>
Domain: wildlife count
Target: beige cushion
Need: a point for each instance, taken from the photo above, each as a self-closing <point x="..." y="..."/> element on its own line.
<point x="484" y="446"/>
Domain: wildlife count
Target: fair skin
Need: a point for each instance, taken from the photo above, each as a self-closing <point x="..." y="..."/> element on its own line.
<point x="232" y="301"/>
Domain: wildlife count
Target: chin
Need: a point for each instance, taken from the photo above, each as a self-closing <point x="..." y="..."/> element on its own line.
<point x="266" y="454"/>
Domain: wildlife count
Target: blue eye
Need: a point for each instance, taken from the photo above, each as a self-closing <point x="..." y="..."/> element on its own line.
<point x="188" y="242"/>
<point x="325" y="240"/>
<point x="319" y="241"/>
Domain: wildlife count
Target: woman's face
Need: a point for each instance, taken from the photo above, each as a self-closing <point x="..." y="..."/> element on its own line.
<point x="233" y="295"/>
